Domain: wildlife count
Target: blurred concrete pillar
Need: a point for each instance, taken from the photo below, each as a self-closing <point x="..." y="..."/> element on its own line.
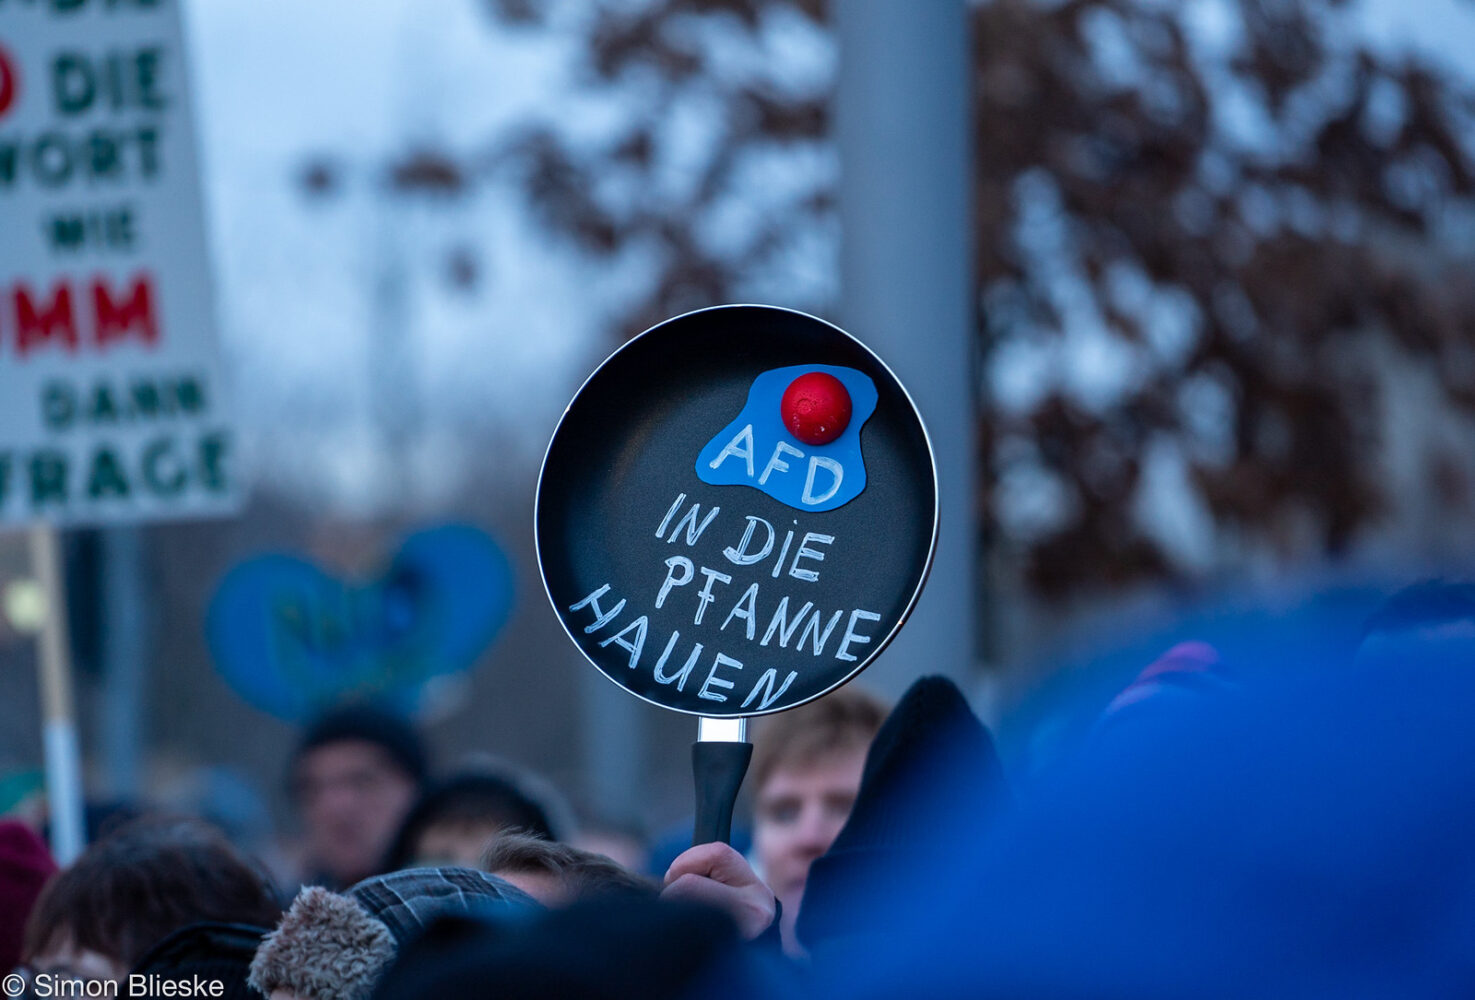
<point x="613" y="746"/>
<point x="905" y="208"/>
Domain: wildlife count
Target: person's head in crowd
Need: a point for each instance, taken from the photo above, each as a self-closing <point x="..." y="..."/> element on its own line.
<point x="25" y="867"/>
<point x="807" y="766"/>
<point x="603" y="948"/>
<point x="557" y="874"/>
<point x="336" y="946"/>
<point x="354" y="776"/>
<point x="207" y="953"/>
<point x="407" y="901"/>
<point x="137" y="885"/>
<point x="327" y="947"/>
<point x="624" y="842"/>
<point x="455" y="819"/>
<point x="101" y="817"/>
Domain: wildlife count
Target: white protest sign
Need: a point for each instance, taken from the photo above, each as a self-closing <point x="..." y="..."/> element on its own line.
<point x="111" y="404"/>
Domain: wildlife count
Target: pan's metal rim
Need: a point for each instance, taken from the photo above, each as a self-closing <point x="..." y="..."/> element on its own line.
<point x="879" y="646"/>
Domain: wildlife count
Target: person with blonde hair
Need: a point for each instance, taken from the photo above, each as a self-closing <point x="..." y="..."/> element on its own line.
<point x="806" y="770"/>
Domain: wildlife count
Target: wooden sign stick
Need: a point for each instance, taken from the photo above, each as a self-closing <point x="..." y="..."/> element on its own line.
<point x="63" y="767"/>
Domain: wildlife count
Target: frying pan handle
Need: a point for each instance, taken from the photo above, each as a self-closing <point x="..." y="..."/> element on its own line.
<point x="718" y="768"/>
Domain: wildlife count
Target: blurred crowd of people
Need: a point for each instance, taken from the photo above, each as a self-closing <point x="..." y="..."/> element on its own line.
<point x="1272" y="829"/>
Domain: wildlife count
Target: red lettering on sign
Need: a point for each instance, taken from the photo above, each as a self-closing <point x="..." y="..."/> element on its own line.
<point x="34" y="327"/>
<point x="116" y="315"/>
<point x="9" y="84"/>
<point x="135" y="315"/>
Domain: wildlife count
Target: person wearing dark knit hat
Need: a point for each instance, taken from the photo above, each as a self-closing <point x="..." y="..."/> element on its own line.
<point x="806" y="769"/>
<point x="25" y="867"/>
<point x="931" y="761"/>
<point x="354" y="776"/>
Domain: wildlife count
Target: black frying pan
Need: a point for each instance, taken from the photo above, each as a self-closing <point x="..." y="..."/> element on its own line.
<point x="623" y="464"/>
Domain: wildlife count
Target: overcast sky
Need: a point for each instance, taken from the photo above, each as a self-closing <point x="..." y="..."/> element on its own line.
<point x="278" y="80"/>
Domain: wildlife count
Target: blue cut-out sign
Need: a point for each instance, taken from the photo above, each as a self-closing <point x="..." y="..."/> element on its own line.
<point x="291" y="639"/>
<point x="757" y="450"/>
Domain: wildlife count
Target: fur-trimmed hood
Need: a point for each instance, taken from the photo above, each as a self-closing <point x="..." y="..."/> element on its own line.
<point x="327" y="947"/>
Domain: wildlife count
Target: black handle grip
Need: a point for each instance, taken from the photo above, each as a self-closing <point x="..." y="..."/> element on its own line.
<point x="718" y="768"/>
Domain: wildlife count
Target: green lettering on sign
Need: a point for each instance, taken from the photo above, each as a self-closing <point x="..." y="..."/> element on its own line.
<point x="146" y="75"/>
<point x="58" y="405"/>
<point x="103" y="152"/>
<point x="104" y="228"/>
<point x="101" y="408"/>
<point x="106" y="479"/>
<point x="48" y="478"/>
<point x="66" y="7"/>
<point x="148" y="158"/>
<point x="72" y="86"/>
<point x="190" y="395"/>
<point x="213" y="452"/>
<point x="145" y="399"/>
<point x="160" y="482"/>
<point x="8" y="156"/>
<point x="67" y="232"/>
<point x="51" y="160"/>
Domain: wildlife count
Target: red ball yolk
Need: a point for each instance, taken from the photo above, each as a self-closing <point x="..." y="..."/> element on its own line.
<point x="816" y="408"/>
